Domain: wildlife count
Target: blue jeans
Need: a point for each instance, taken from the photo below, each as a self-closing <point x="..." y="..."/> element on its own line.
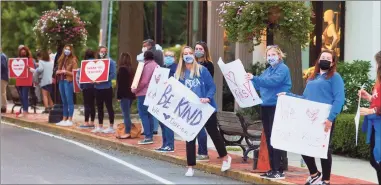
<point x="155" y="124"/>
<point x="24" y="92"/>
<point x="146" y="117"/>
<point x="66" y="91"/>
<point x="168" y="136"/>
<point x="202" y="139"/>
<point x="125" y="105"/>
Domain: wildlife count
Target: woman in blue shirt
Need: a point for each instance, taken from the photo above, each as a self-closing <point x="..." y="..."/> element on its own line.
<point x="325" y="85"/>
<point x="198" y="79"/>
<point x="273" y="80"/>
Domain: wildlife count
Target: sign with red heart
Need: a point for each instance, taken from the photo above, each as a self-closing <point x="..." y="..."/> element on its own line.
<point x="18" y="67"/>
<point x="94" y="71"/>
<point x="75" y="81"/>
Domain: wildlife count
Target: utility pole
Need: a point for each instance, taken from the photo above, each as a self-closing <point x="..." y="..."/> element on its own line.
<point x="104" y="21"/>
<point x="109" y="29"/>
<point x="159" y="22"/>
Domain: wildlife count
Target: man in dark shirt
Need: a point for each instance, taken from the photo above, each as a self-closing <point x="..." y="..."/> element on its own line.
<point x="149" y="44"/>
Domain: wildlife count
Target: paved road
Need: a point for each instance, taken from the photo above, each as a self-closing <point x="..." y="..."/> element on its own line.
<point x="30" y="157"/>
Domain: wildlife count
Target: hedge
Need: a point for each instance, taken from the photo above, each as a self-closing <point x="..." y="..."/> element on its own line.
<point x="344" y="138"/>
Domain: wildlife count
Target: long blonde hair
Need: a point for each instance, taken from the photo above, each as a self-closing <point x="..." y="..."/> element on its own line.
<point x="180" y="71"/>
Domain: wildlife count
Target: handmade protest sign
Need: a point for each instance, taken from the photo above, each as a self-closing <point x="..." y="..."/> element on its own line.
<point x="138" y="74"/>
<point x="18" y="67"/>
<point x="357" y="117"/>
<point x="242" y="89"/>
<point x="94" y="71"/>
<point x="75" y="82"/>
<point x="299" y="127"/>
<point x="160" y="75"/>
<point x="180" y="109"/>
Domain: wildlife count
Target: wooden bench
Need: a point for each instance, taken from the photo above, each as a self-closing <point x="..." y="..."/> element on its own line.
<point x="235" y="129"/>
<point x="15" y="96"/>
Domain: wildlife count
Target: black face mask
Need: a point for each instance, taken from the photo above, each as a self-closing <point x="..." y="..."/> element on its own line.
<point x="324" y="64"/>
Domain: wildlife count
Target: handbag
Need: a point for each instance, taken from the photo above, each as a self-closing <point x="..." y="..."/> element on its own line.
<point x="136" y="129"/>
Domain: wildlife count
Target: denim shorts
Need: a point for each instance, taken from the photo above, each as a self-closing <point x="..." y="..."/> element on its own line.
<point x="48" y="88"/>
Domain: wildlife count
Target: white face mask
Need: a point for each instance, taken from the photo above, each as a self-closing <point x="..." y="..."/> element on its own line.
<point x="144" y="49"/>
<point x="188" y="59"/>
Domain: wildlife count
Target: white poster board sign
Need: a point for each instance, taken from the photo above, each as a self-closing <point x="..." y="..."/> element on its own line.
<point x="299" y="127"/>
<point x="159" y="76"/>
<point x="180" y="109"/>
<point x="242" y="89"/>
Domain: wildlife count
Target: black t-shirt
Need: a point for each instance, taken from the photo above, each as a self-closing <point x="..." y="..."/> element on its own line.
<point x="209" y="65"/>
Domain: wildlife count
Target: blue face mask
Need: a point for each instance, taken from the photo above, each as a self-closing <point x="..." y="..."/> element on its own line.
<point x="199" y="53"/>
<point x="188" y="59"/>
<point x="169" y="60"/>
<point x="273" y="60"/>
<point x="67" y="52"/>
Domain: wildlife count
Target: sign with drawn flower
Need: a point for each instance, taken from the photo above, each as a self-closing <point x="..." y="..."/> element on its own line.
<point x="63" y="26"/>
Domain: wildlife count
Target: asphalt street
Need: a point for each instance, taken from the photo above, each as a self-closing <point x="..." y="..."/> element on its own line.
<point x="30" y="157"/>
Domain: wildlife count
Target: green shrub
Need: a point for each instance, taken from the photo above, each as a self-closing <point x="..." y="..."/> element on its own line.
<point x="355" y="74"/>
<point x="344" y="138"/>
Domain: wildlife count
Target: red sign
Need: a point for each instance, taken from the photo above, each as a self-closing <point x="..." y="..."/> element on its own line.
<point x="94" y="71"/>
<point x="18" y="67"/>
<point x="75" y="81"/>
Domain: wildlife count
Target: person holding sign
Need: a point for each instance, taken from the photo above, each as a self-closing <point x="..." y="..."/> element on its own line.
<point x="198" y="79"/>
<point x="325" y="85"/>
<point x="103" y="95"/>
<point x="24" y="84"/>
<point x="4" y="81"/>
<point x="141" y="91"/>
<point x="66" y="63"/>
<point x="273" y="80"/>
<point x="123" y="93"/>
<point x="372" y="120"/>
<point x="88" y="92"/>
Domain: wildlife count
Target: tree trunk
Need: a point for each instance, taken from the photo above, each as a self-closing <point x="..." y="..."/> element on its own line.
<point x="293" y="61"/>
<point x="130" y="29"/>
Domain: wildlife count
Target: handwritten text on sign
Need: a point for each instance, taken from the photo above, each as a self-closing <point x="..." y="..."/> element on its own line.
<point x="242" y="89"/>
<point x="299" y="127"/>
<point x="18" y="67"/>
<point x="94" y="71"/>
<point x="180" y="109"/>
<point x="160" y="75"/>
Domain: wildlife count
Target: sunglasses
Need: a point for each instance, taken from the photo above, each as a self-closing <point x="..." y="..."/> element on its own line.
<point x="272" y="46"/>
<point x="200" y="42"/>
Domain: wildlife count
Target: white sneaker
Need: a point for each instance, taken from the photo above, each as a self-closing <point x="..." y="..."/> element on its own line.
<point x="61" y="123"/>
<point x="109" y="130"/>
<point x="190" y="172"/>
<point x="226" y="165"/>
<point x="67" y="123"/>
<point x="97" y="130"/>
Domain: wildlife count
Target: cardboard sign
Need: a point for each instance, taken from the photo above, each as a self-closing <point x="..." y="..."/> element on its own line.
<point x="18" y="67"/>
<point x="138" y="74"/>
<point x="299" y="127"/>
<point x="75" y="81"/>
<point x="159" y="76"/>
<point x="180" y="109"/>
<point x="94" y="71"/>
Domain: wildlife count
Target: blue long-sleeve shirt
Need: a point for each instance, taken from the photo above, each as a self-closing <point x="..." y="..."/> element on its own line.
<point x="271" y="82"/>
<point x="112" y="75"/>
<point x="172" y="69"/>
<point x="4" y="68"/>
<point x="329" y="91"/>
<point x="202" y="86"/>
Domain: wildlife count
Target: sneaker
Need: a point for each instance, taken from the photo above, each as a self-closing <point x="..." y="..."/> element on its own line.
<point x="155" y="133"/>
<point x="145" y="142"/>
<point x="61" y="123"/>
<point x="226" y="165"/>
<point x="166" y="149"/>
<point x="67" y="123"/>
<point x="109" y="130"/>
<point x="202" y="158"/>
<point x="97" y="130"/>
<point x="190" y="172"/>
<point x="268" y="173"/>
<point x="313" y="180"/>
<point x="324" y="183"/>
<point x="276" y="175"/>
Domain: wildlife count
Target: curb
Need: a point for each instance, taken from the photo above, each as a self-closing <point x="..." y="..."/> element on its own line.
<point x="127" y="148"/>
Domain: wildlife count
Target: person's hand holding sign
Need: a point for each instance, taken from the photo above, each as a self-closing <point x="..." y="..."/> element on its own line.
<point x="204" y="100"/>
<point x="328" y="125"/>
<point x="249" y="76"/>
<point x="281" y="94"/>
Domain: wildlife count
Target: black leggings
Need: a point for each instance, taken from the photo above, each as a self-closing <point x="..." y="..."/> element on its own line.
<point x="326" y="164"/>
<point x="214" y="133"/>
<point x="104" y="96"/>
<point x="275" y="155"/>
<point x="373" y="162"/>
<point x="89" y="103"/>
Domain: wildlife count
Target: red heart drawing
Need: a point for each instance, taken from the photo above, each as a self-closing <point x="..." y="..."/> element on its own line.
<point x="247" y="86"/>
<point x="231" y="77"/>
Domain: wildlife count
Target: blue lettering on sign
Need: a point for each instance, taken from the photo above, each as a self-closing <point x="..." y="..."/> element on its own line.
<point x="184" y="110"/>
<point x="165" y="99"/>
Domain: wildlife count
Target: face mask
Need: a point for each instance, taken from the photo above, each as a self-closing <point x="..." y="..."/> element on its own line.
<point x="272" y="60"/>
<point x="188" y="59"/>
<point x="144" y="49"/>
<point x="324" y="64"/>
<point x="67" y="52"/>
<point x="102" y="55"/>
<point x="169" y="60"/>
<point x="199" y="54"/>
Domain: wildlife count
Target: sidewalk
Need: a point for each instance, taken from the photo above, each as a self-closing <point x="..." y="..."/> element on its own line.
<point x="344" y="171"/>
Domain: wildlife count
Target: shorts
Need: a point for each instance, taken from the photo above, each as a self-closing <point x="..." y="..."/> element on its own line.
<point x="48" y="88"/>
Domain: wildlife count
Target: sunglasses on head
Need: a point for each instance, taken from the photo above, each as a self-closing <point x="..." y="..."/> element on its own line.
<point x="272" y="46"/>
<point x="200" y="42"/>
